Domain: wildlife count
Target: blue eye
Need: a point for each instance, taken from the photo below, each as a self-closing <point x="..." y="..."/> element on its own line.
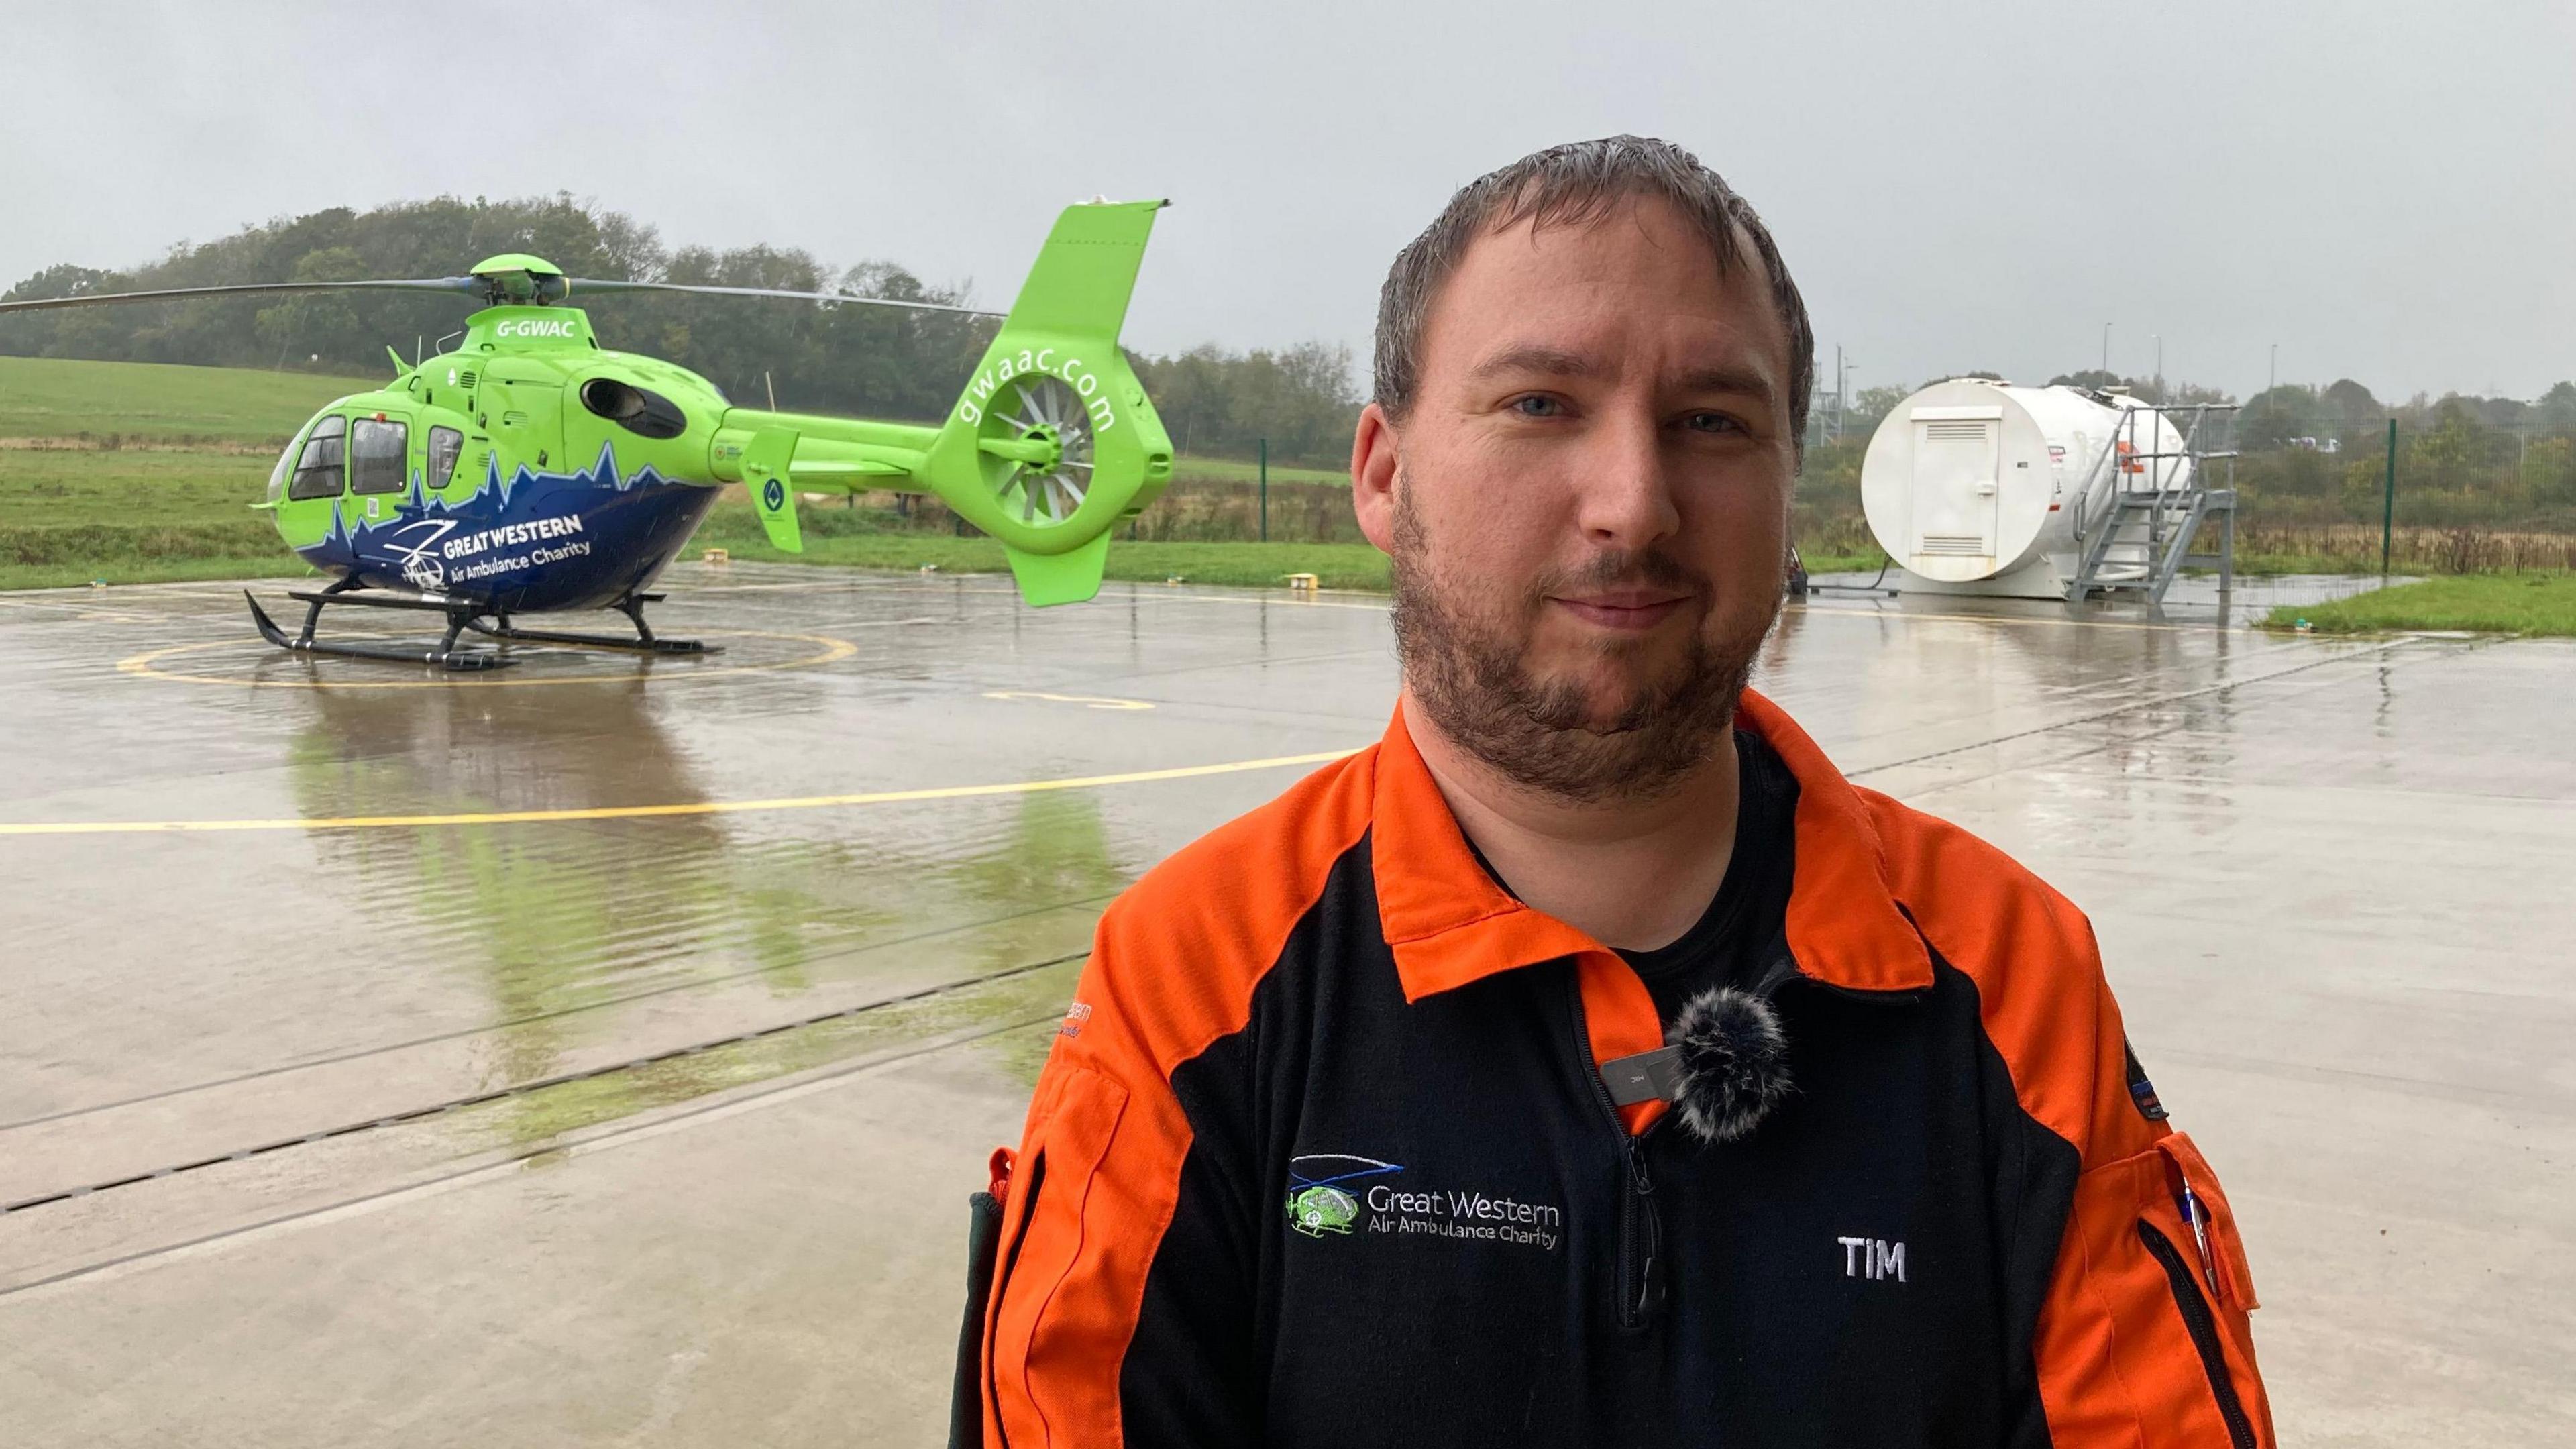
<point x="1536" y="406"/>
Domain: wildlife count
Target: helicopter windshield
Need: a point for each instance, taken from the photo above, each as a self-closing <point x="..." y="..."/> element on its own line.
<point x="285" y="468"/>
<point x="321" y="468"/>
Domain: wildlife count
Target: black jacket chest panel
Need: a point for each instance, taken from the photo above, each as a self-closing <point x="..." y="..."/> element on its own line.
<point x="1434" y="1212"/>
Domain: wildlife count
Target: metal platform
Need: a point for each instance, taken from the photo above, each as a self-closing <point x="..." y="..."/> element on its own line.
<point x="2138" y="511"/>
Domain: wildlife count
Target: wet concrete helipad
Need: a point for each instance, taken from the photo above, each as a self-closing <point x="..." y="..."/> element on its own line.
<point x="601" y="1050"/>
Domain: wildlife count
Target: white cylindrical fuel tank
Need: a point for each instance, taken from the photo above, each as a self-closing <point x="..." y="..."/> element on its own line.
<point x="1973" y="480"/>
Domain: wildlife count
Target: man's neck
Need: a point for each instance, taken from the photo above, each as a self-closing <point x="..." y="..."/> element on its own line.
<point x="1632" y="874"/>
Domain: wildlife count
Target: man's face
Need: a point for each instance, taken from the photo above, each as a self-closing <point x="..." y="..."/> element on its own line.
<point x="1587" y="505"/>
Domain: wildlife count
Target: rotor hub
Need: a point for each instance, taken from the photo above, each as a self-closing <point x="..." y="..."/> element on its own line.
<point x="519" y="279"/>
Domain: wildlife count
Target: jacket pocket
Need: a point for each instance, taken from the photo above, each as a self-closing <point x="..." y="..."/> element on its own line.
<point x="1041" y="1371"/>
<point x="2201" y="1323"/>
<point x="2163" y="1262"/>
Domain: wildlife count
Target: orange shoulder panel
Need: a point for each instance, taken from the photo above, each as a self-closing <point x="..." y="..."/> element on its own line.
<point x="2041" y="992"/>
<point x="1173" y="968"/>
<point x="2118" y="1361"/>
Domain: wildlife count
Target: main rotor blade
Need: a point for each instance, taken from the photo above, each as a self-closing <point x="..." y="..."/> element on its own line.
<point x="425" y="284"/>
<point x="584" y="284"/>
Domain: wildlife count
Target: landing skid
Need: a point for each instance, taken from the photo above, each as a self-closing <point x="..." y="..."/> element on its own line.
<point x="460" y="617"/>
<point x="632" y="607"/>
<point x="445" y="656"/>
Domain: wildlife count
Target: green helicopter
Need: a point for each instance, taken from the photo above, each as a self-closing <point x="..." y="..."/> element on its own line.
<point x="530" y="470"/>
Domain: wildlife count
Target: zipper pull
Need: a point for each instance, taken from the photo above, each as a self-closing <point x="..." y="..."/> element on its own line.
<point x="1638" y="1177"/>
<point x="1650" y="1227"/>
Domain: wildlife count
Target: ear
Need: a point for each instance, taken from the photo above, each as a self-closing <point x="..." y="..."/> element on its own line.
<point x="1373" y="469"/>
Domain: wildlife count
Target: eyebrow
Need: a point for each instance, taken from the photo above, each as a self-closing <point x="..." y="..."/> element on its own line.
<point x="1552" y="361"/>
<point x="1731" y="380"/>
<point x="1558" y="362"/>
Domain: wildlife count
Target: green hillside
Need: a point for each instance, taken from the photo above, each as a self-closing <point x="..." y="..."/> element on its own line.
<point x="45" y="397"/>
<point x="136" y="471"/>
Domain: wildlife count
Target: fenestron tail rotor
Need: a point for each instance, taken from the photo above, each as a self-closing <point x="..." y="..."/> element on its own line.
<point x="1053" y="442"/>
<point x="1049" y="489"/>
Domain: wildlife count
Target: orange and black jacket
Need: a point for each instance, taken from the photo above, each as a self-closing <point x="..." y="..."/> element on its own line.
<point x="1322" y="1155"/>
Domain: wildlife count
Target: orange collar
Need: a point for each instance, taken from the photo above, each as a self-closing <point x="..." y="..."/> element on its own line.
<point x="1449" y="923"/>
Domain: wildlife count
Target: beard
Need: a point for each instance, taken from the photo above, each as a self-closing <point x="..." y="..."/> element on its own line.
<point x="1470" y="673"/>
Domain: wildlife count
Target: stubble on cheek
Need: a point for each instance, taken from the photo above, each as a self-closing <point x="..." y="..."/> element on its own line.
<point x="1467" y="653"/>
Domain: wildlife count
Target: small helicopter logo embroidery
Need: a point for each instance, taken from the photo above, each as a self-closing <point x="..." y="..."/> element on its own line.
<point x="1317" y="1204"/>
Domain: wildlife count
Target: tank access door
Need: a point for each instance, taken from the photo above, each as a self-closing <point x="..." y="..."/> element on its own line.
<point x="1957" y="453"/>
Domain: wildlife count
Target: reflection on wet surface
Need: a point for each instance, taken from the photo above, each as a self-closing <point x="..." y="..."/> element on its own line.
<point x="2328" y="875"/>
<point x="187" y="996"/>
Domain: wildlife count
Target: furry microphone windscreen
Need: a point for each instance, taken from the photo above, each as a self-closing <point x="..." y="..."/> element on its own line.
<point x="1734" y="1063"/>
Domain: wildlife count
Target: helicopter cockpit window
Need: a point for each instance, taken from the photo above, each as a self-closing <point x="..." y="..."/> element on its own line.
<point x="645" y="414"/>
<point x="317" y="472"/>
<point x="444" y="445"/>
<point x="378" y="452"/>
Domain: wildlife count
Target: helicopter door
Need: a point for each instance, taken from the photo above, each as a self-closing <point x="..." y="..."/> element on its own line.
<point x="379" y="463"/>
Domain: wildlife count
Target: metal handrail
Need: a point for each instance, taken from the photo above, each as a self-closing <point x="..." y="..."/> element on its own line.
<point x="2101" y="504"/>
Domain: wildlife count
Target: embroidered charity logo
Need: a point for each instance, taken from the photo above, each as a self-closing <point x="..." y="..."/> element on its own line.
<point x="1317" y="1201"/>
<point x="1341" y="1193"/>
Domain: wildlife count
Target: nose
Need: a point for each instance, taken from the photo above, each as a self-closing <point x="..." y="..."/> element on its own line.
<point x="1625" y="491"/>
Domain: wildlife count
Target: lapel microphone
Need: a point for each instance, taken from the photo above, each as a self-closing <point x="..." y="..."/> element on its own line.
<point x="1724" y="1065"/>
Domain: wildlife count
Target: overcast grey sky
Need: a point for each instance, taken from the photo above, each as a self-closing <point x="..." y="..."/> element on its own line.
<point x="2383" y="189"/>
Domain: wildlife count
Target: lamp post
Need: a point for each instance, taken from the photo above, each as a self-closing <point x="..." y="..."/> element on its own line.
<point x="2106" y="347"/>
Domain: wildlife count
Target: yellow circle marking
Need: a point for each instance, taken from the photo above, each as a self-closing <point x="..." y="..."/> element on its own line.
<point x="1095" y="701"/>
<point x="651" y="812"/>
<point x="828" y="650"/>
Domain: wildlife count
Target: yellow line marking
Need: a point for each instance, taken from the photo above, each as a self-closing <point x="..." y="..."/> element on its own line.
<point x="1095" y="701"/>
<point x="831" y="650"/>
<point x="651" y="812"/>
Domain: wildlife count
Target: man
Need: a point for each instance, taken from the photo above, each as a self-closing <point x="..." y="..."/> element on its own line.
<point x="1588" y="1062"/>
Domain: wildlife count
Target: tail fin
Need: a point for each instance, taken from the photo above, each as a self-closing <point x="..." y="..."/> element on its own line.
<point x="1053" y="441"/>
<point x="765" y="476"/>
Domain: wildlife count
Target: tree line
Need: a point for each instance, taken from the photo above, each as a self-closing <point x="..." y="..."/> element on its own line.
<point x="866" y="361"/>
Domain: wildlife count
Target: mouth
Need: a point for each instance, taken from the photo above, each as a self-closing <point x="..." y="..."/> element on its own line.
<point x="1625" y="610"/>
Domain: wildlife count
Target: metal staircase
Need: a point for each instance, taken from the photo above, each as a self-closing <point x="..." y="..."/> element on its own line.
<point x="2143" y="502"/>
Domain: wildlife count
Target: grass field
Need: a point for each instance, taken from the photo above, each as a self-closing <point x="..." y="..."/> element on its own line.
<point x="2488" y="603"/>
<point x="147" y="402"/>
<point x="134" y="472"/>
<point x="1237" y="470"/>
<point x="734" y="527"/>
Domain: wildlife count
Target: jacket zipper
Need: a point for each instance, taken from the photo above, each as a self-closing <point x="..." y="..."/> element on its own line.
<point x="1641" y="1227"/>
<point x="2203" y="1327"/>
<point x="1002" y="1284"/>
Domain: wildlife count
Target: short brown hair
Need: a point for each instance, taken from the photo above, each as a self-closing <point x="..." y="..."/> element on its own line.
<point x="1574" y="185"/>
